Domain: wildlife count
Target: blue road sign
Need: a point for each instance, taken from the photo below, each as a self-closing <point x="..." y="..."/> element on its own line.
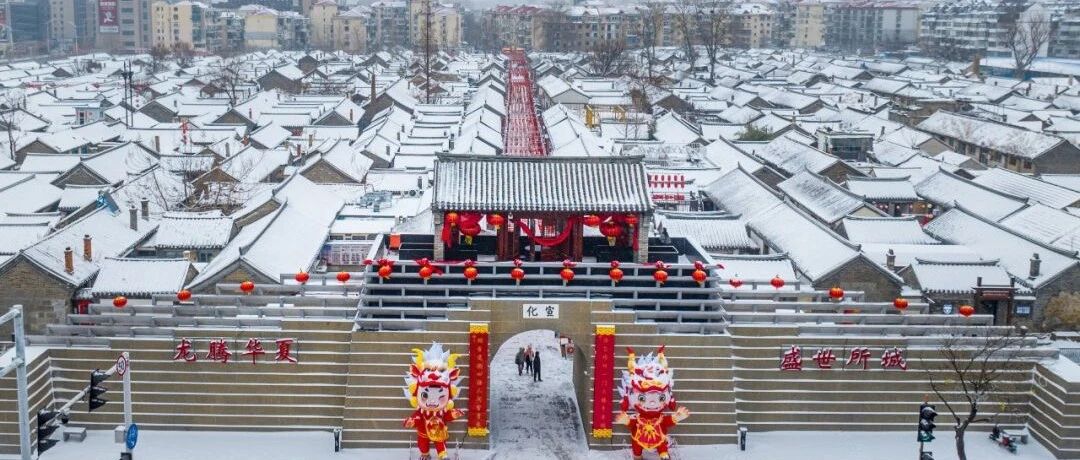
<point x="132" y="437"/>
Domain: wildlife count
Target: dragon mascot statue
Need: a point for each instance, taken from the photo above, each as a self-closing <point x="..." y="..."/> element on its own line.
<point x="431" y="386"/>
<point x="646" y="387"/>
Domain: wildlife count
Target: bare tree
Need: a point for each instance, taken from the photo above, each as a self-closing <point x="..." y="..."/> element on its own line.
<point x="650" y="27"/>
<point x="975" y="368"/>
<point x="609" y="57"/>
<point x="183" y="54"/>
<point x="685" y="14"/>
<point x="1025" y="38"/>
<point x="11" y="116"/>
<point x="158" y="55"/>
<point x="712" y="28"/>
<point x="227" y="77"/>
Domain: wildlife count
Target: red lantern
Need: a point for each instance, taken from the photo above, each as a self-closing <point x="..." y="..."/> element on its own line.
<point x="777" y="282"/>
<point x="900" y="303"/>
<point x="385" y="271"/>
<point x="425" y="272"/>
<point x="700" y="276"/>
<point x="343" y="276"/>
<point x="836" y="293"/>
<point x="452" y="218"/>
<point x="592" y="220"/>
<point x="735" y="282"/>
<point x="119" y="301"/>
<point x="631" y="219"/>
<point x="496" y="220"/>
<point x="612" y="231"/>
<point x="517" y="274"/>
<point x="247" y="287"/>
<point x="660" y="275"/>
<point x="183" y="295"/>
<point x="967" y="310"/>
<point x="471" y="273"/>
<point x="567" y="274"/>
<point x="469" y="232"/>
<point x="302" y="277"/>
<point x="616" y="274"/>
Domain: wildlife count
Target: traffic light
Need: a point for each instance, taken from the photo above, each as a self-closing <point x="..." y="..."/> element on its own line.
<point x="45" y="429"/>
<point x="96" y="390"/>
<point x="926" y="422"/>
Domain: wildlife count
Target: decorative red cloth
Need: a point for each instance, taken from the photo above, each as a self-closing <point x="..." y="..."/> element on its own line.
<point x="571" y="223"/>
<point x="478" y="379"/>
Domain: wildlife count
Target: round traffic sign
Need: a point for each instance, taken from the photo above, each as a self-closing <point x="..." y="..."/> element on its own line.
<point x="121" y="365"/>
<point x="132" y="437"/>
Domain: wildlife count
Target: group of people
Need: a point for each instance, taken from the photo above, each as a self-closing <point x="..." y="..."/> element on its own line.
<point x="528" y="360"/>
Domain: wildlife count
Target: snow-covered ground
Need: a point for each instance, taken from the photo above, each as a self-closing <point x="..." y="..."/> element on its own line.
<point x="535" y="419"/>
<point x="787" y="445"/>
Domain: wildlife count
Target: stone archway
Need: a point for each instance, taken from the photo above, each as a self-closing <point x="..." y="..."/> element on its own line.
<point x="576" y="319"/>
<point x="535" y="419"/>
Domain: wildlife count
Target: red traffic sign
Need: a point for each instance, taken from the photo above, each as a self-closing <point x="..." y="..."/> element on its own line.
<point x="121" y="365"/>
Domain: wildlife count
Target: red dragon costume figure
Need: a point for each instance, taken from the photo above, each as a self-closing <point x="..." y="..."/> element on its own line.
<point x="646" y="386"/>
<point x="431" y="386"/>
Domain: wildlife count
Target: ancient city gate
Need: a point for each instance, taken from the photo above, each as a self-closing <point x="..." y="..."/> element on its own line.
<point x="576" y="319"/>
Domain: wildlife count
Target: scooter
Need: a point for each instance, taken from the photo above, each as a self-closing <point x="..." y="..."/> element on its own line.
<point x="1003" y="439"/>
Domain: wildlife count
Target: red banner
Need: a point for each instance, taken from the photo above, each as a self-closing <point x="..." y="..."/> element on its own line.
<point x="107" y="16"/>
<point x="478" y="379"/>
<point x="603" y="380"/>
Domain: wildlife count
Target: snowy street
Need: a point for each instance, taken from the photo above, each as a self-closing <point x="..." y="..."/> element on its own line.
<point x="788" y="445"/>
<point x="534" y="419"/>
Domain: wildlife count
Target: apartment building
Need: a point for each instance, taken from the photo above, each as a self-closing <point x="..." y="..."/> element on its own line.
<point x="809" y="25"/>
<point x="128" y="28"/>
<point x="521" y="26"/>
<point x="963" y="29"/>
<point x="389" y="25"/>
<point x="181" y="23"/>
<point x="445" y="23"/>
<point x="751" y="25"/>
<point x="266" y="28"/>
<point x="1066" y="40"/>
<point x="350" y="32"/>
<point x="871" y="26"/>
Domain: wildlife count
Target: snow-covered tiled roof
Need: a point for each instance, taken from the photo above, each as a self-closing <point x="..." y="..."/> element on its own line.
<point x="140" y="277"/>
<point x="560" y="184"/>
<point x="1043" y="224"/>
<point x="905" y="254"/>
<point x="995" y="136"/>
<point x="184" y="230"/>
<point x="719" y="232"/>
<point x="960" y="277"/>
<point x="790" y="156"/>
<point x="991" y="241"/>
<point x="756" y="267"/>
<point x="821" y="196"/>
<point x="815" y="250"/>
<point x="740" y="193"/>
<point x="947" y="189"/>
<point x="1028" y="187"/>
<point x="882" y="189"/>
<point x="899" y="230"/>
<point x="16" y="236"/>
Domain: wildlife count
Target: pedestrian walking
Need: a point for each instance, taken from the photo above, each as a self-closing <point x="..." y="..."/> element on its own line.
<point x="536" y="368"/>
<point x="519" y="359"/>
<point x="528" y="360"/>
<point x="563" y="341"/>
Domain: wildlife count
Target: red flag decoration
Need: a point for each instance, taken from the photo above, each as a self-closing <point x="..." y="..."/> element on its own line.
<point x="603" y="380"/>
<point x="478" y="379"/>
